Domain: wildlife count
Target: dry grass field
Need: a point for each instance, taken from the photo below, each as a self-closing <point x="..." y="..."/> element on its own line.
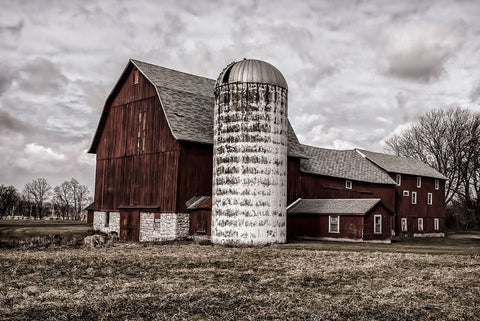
<point x="407" y="280"/>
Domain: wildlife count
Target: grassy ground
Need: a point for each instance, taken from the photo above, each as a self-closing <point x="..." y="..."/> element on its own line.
<point x="421" y="279"/>
<point x="33" y="233"/>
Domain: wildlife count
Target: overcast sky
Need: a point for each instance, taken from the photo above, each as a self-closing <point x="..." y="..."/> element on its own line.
<point x="357" y="71"/>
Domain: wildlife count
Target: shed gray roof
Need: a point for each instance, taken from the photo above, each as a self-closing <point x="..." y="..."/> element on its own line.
<point x="333" y="206"/>
<point x="401" y="165"/>
<point x="346" y="164"/>
<point x="188" y="101"/>
<point x="196" y="202"/>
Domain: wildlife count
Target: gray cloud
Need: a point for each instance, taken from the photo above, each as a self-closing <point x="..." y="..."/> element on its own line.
<point x="41" y="76"/>
<point x="475" y="94"/>
<point x="14" y="29"/>
<point x="418" y="49"/>
<point x="10" y="123"/>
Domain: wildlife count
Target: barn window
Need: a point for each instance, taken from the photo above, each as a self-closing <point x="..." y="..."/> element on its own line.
<point x="404" y="224"/>
<point x="436" y="224"/>
<point x="406" y="193"/>
<point x="414" y="197"/>
<point x="377" y="224"/>
<point x="141" y="133"/>
<point x="429" y="198"/>
<point x="348" y="184"/>
<point x="437" y="184"/>
<point x="419" y="182"/>
<point x="399" y="179"/>
<point x="420" y="224"/>
<point x="135" y="76"/>
<point x="333" y="224"/>
<point x="107" y="219"/>
<point x="156" y="224"/>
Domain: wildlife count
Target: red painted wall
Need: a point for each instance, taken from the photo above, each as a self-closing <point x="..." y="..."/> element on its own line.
<point x="316" y="186"/>
<point x="405" y="208"/>
<point x="137" y="156"/>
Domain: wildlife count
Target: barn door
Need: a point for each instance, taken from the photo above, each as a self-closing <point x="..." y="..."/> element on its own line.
<point x="200" y="221"/>
<point x="129" y="225"/>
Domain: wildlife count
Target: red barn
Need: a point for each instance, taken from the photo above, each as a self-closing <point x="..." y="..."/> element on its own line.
<point x="154" y="165"/>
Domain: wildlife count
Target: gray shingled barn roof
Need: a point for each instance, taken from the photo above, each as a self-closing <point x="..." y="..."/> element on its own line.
<point x="401" y="165"/>
<point x="333" y="206"/>
<point x="346" y="164"/>
<point x="188" y="101"/>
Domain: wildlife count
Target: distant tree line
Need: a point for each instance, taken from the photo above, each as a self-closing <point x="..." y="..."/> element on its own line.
<point x="449" y="140"/>
<point x="39" y="200"/>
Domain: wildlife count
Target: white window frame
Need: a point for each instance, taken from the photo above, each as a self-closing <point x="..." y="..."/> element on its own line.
<point x="398" y="179"/>
<point x="419" y="182"/>
<point x="348" y="184"/>
<point x="375" y="225"/>
<point x="406" y="193"/>
<point x="437" y="184"/>
<point x="429" y="198"/>
<point x="436" y="224"/>
<point x="420" y="224"/>
<point x="330" y="224"/>
<point x="404" y="224"/>
<point x="414" y="198"/>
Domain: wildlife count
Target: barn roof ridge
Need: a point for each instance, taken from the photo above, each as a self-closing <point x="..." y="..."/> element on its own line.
<point x="353" y="206"/>
<point x="401" y="165"/>
<point x="345" y="164"/>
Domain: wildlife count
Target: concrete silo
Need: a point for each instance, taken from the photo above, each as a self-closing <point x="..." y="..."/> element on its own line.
<point x="250" y="155"/>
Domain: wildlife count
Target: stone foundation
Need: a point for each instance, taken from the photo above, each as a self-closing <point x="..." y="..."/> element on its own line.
<point x="170" y="226"/>
<point x="99" y="220"/>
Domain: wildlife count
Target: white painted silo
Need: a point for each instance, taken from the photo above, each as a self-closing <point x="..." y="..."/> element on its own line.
<point x="250" y="155"/>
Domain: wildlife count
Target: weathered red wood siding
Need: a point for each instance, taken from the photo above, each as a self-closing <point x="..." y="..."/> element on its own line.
<point x="195" y="173"/>
<point x="317" y="186"/>
<point x="135" y="170"/>
<point x="405" y="208"/>
<point x="387" y="224"/>
<point x="293" y="179"/>
<point x="316" y="226"/>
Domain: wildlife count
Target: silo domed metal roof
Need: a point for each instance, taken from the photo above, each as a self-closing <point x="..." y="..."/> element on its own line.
<point x="252" y="71"/>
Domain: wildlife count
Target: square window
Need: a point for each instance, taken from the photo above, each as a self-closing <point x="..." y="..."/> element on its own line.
<point x="406" y="193"/>
<point x="429" y="198"/>
<point x="414" y="197"/>
<point x="436" y="224"/>
<point x="348" y="184"/>
<point x="437" y="184"/>
<point x="399" y="179"/>
<point x="333" y="224"/>
<point x="419" y="182"/>
<point x="377" y="224"/>
<point x="420" y="224"/>
<point x="404" y="224"/>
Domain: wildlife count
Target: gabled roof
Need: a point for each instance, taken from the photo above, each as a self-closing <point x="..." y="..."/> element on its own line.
<point x="346" y="164"/>
<point x="334" y="206"/>
<point x="198" y="202"/>
<point x="188" y="103"/>
<point x="401" y="165"/>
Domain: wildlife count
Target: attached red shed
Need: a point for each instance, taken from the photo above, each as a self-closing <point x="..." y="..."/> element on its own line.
<point x="200" y="210"/>
<point x="340" y="219"/>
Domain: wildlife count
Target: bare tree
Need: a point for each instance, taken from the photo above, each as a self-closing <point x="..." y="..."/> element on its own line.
<point x="9" y="199"/>
<point x="38" y="192"/>
<point x="71" y="197"/>
<point x="62" y="199"/>
<point x="449" y="141"/>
